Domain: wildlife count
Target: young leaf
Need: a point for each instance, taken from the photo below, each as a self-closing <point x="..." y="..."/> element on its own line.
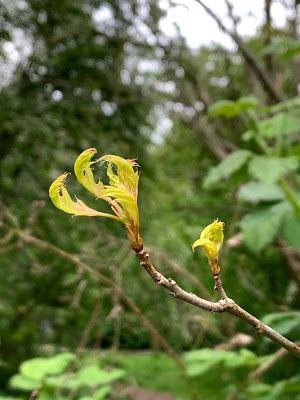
<point x="62" y="200"/>
<point x="126" y="176"/>
<point x="121" y="193"/>
<point x="211" y="240"/>
<point x="84" y="174"/>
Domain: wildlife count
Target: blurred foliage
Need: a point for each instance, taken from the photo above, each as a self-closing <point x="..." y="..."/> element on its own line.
<point x="211" y="142"/>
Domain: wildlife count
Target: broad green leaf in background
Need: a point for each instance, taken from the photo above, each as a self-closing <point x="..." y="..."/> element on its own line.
<point x="45" y="395"/>
<point x="227" y="167"/>
<point x="67" y="381"/>
<point x="248" y="135"/>
<point x="270" y="170"/>
<point x="92" y="375"/>
<point x="260" y="227"/>
<point x="230" y="108"/>
<point x="200" y="362"/>
<point x="38" y="368"/>
<point x="282" y="124"/>
<point x="258" y="391"/>
<point x="287" y="389"/>
<point x="21" y="382"/>
<point x="247" y="102"/>
<point x="254" y="191"/>
<point x="224" y="108"/>
<point x="286" y="323"/>
<point x="284" y="47"/>
<point x="291" y="230"/>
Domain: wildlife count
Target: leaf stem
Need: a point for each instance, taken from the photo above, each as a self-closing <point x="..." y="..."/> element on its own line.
<point x="290" y="195"/>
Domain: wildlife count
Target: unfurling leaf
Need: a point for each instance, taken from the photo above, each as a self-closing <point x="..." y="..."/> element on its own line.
<point x="84" y="173"/>
<point x="211" y="240"/>
<point x="121" y="193"/>
<point x="62" y="200"/>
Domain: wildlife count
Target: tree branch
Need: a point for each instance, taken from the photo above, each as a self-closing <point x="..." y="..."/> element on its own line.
<point x="224" y="304"/>
<point x="250" y="58"/>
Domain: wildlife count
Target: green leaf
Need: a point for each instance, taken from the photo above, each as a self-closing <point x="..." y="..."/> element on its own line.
<point x="224" y="108"/>
<point x="255" y="390"/>
<point x="198" y="369"/>
<point x="248" y="135"/>
<point x="247" y="102"/>
<point x="291" y="230"/>
<point x="61" y="198"/>
<point x="282" y="124"/>
<point x="270" y="170"/>
<point x="93" y="375"/>
<point x="260" y="227"/>
<point x="244" y="358"/>
<point x="258" y="191"/>
<point x="21" y="382"/>
<point x="227" y="167"/>
<point x="38" y="368"/>
<point x="100" y="394"/>
<point x="200" y="362"/>
<point x="290" y="104"/>
<point x="284" y="322"/>
<point x="84" y="173"/>
<point x="66" y="381"/>
<point x="291" y="52"/>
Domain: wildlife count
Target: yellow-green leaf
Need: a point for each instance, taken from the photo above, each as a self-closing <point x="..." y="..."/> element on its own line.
<point x="125" y="176"/>
<point x="211" y="240"/>
<point x="62" y="200"/>
<point x="208" y="247"/>
<point x="84" y="173"/>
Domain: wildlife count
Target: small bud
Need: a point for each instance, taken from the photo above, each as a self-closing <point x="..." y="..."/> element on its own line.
<point x="211" y="240"/>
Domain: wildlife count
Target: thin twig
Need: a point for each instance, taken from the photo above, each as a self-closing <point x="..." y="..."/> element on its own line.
<point x="257" y="373"/>
<point x="75" y="260"/>
<point x="89" y="328"/>
<point x="249" y="57"/>
<point x="224" y="304"/>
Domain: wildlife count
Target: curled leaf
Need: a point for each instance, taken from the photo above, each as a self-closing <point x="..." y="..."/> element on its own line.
<point x="62" y="200"/>
<point x="120" y="193"/>
<point x="123" y="192"/>
<point x="84" y="173"/>
<point x="211" y="240"/>
<point x="125" y="177"/>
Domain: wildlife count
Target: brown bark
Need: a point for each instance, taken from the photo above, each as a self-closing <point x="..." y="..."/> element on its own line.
<point x="224" y="304"/>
